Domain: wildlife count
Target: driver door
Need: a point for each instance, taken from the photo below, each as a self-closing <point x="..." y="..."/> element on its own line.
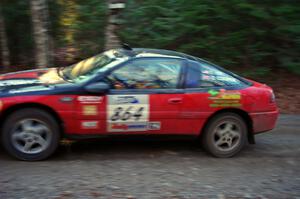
<point x="145" y="97"/>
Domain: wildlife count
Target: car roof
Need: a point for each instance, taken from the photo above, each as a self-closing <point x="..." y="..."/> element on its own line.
<point x="151" y="52"/>
<point x="146" y="52"/>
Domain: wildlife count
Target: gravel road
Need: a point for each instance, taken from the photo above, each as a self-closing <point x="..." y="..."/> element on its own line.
<point x="168" y="169"/>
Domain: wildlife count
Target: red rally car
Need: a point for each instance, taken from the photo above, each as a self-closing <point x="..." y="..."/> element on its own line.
<point x="132" y="92"/>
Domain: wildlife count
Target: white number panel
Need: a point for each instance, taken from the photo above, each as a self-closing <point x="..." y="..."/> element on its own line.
<point x="127" y="113"/>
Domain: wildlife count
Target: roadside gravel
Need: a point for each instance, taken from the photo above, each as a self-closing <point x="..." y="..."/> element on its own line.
<point x="168" y="169"/>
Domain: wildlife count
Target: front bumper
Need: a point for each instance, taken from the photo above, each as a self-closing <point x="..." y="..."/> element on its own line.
<point x="264" y="121"/>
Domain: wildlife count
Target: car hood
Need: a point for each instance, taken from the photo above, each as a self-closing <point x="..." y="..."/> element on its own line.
<point x="31" y="80"/>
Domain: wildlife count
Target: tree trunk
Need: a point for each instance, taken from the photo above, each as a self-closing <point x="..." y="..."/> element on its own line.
<point x="111" y="38"/>
<point x="4" y="42"/>
<point x="39" y="16"/>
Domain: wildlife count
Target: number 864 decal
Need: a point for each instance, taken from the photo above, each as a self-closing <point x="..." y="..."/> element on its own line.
<point x="127" y="113"/>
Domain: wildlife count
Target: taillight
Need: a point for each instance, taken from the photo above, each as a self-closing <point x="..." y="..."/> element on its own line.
<point x="272" y="97"/>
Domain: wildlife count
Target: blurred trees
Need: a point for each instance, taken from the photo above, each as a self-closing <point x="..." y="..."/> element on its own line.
<point x="74" y="30"/>
<point x="17" y="18"/>
<point x="40" y="18"/>
<point x="232" y="33"/>
<point x="3" y="42"/>
<point x="80" y="27"/>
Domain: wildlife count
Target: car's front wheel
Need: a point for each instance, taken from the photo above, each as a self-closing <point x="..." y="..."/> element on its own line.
<point x="225" y="135"/>
<point x="30" y="134"/>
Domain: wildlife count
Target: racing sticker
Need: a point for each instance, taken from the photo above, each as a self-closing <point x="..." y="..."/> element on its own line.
<point x="127" y="126"/>
<point x="89" y="110"/>
<point x="224" y="98"/>
<point x="154" y="125"/>
<point x="90" y="99"/>
<point x="30" y="89"/>
<point x="89" y="125"/>
<point x="127" y="113"/>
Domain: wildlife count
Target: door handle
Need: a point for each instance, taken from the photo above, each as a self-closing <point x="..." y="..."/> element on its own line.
<point x="175" y="101"/>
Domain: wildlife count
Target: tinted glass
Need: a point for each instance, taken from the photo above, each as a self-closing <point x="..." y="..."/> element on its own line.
<point x="146" y="74"/>
<point x="204" y="75"/>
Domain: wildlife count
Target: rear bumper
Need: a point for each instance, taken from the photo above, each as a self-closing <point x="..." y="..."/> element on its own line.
<point x="264" y="121"/>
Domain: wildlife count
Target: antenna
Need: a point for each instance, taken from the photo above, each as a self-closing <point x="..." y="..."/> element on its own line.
<point x="126" y="46"/>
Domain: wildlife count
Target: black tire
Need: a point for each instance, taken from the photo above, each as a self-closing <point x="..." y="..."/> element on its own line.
<point x="32" y="115"/>
<point x="212" y="130"/>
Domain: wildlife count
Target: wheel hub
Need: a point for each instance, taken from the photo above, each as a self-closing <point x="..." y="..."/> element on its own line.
<point x="227" y="136"/>
<point x="31" y="136"/>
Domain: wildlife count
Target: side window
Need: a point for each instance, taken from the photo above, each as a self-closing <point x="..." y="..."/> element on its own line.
<point x="146" y="74"/>
<point x="202" y="75"/>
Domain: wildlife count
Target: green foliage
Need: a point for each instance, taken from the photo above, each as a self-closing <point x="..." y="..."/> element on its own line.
<point x="86" y="29"/>
<point x="90" y="27"/>
<point x="80" y="25"/>
<point x="232" y="33"/>
<point x="18" y="27"/>
<point x="257" y="72"/>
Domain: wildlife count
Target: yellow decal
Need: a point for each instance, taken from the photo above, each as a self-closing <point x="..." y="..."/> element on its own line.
<point x="224" y="98"/>
<point x="89" y="110"/>
<point x="231" y="96"/>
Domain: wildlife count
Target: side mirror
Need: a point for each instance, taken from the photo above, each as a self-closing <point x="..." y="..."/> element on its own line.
<point x="100" y="88"/>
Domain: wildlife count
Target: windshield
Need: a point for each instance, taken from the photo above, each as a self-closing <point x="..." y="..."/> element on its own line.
<point x="88" y="68"/>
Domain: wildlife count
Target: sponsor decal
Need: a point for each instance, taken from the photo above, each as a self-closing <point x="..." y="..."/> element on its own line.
<point x="66" y="99"/>
<point x="30" y="89"/>
<point x="126" y="100"/>
<point x="125" y="127"/>
<point x="116" y="126"/>
<point x="224" y="98"/>
<point x="16" y="82"/>
<point x="134" y="126"/>
<point x="90" y="99"/>
<point x="127" y="113"/>
<point x="154" y="125"/>
<point x="206" y="77"/>
<point x="213" y="93"/>
<point x="89" y="110"/>
<point x="206" y="72"/>
<point x="89" y="125"/>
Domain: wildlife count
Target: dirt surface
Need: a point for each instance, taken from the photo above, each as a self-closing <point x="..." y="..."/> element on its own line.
<point x="169" y="169"/>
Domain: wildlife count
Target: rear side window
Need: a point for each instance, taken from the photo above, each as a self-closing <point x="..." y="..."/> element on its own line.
<point x="203" y="75"/>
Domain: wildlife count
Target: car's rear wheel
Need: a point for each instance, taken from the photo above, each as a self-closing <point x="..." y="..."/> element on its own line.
<point x="30" y="134"/>
<point x="225" y="135"/>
